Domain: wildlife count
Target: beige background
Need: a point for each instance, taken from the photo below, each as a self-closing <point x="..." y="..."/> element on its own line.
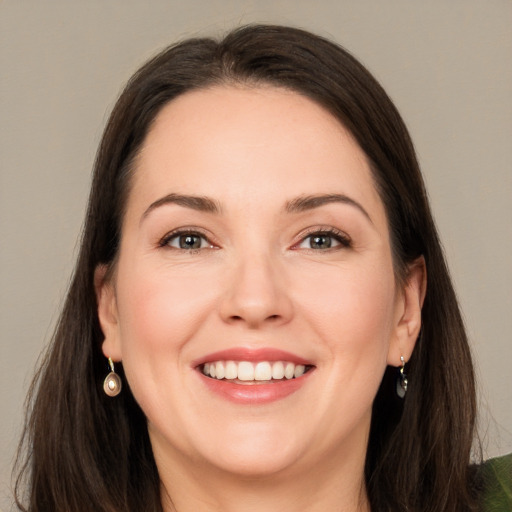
<point x="446" y="63"/>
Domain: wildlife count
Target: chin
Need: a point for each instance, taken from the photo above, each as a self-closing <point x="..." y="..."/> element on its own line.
<point x="252" y="464"/>
<point x="254" y="452"/>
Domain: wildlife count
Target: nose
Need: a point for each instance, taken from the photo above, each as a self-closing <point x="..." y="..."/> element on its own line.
<point x="256" y="294"/>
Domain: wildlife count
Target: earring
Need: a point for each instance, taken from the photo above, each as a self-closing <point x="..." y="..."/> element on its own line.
<point x="112" y="384"/>
<point x="401" y="380"/>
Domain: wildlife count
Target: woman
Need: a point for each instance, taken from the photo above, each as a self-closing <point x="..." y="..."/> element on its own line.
<point x="243" y="327"/>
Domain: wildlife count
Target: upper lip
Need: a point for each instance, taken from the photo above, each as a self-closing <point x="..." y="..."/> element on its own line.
<point x="252" y="355"/>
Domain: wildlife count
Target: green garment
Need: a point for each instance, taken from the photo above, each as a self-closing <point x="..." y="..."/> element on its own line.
<point x="497" y="479"/>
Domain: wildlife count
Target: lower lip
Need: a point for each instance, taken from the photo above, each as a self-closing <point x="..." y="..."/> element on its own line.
<point x="258" y="393"/>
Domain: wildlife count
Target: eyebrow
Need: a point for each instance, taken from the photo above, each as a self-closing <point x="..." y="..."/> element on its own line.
<point x="199" y="203"/>
<point x="298" y="205"/>
<point x="305" y="203"/>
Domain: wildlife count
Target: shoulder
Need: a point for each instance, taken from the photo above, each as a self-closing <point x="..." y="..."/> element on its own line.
<point x="496" y="478"/>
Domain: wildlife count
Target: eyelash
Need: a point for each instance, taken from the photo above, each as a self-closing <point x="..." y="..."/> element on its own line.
<point x="342" y="238"/>
<point x="165" y="241"/>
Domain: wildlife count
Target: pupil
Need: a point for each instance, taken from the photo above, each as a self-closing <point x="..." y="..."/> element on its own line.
<point x="321" y="242"/>
<point x="190" y="242"/>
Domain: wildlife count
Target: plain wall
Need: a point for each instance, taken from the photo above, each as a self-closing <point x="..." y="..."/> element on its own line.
<point x="447" y="65"/>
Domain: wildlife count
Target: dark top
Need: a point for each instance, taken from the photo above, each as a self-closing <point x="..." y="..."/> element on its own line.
<point x="497" y="478"/>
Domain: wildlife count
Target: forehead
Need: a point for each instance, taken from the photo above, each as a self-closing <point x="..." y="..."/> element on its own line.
<point x="259" y="143"/>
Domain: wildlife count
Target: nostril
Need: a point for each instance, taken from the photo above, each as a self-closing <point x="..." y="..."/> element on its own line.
<point x="242" y="318"/>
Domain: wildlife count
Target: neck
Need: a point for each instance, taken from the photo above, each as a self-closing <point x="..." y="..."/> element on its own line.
<point x="269" y="495"/>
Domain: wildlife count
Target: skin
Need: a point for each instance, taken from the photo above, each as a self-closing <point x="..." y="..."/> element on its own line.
<point x="256" y="281"/>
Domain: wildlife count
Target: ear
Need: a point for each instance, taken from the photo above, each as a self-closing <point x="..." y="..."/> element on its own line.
<point x="408" y="313"/>
<point x="107" y="313"/>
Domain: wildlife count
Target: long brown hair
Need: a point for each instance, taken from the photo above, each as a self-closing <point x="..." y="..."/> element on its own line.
<point x="85" y="451"/>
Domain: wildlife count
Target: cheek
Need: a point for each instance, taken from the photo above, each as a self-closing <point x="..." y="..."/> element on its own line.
<point x="353" y="311"/>
<point x="159" y="312"/>
<point x="157" y="308"/>
<point x="352" y="315"/>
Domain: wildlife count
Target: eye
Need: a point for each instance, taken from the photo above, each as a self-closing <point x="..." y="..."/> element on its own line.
<point x="186" y="240"/>
<point x="323" y="240"/>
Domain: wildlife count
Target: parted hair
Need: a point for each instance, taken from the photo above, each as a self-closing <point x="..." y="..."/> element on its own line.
<point x="83" y="451"/>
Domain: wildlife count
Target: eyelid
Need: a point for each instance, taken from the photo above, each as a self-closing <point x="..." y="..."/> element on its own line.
<point x="186" y="230"/>
<point x="342" y="237"/>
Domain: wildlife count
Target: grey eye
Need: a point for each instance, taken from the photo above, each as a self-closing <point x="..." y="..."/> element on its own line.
<point x="187" y="241"/>
<point x="320" y="242"/>
<point x="190" y="241"/>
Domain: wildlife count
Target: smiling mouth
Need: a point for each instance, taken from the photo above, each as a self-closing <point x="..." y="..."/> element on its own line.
<point x="247" y="372"/>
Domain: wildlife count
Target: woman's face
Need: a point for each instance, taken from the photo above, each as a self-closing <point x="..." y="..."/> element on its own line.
<point x="254" y="245"/>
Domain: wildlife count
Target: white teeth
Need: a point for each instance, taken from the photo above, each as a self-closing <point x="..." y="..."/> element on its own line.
<point x="245" y="371"/>
<point x="248" y="371"/>
<point x="289" y="370"/>
<point x="278" y="370"/>
<point x="231" y="370"/>
<point x="299" y="370"/>
<point x="263" y="371"/>
<point x="219" y="370"/>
